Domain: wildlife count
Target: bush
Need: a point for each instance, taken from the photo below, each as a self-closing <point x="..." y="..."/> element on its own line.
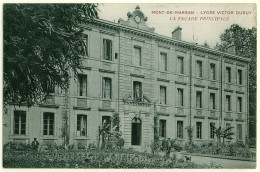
<point x="252" y="142"/>
<point x="120" y="143"/>
<point x="237" y="149"/>
<point x="155" y="147"/>
<point x="177" y="147"/>
<point x="17" y="146"/>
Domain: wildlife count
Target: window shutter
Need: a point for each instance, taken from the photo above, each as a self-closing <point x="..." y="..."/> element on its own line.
<point x="104" y="49"/>
<point x="107" y="88"/>
<point x="103" y="88"/>
<point x="85" y="85"/>
<point x="111" y="48"/>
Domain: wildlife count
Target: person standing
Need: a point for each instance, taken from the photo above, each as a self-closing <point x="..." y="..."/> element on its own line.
<point x="168" y="147"/>
<point x="35" y="144"/>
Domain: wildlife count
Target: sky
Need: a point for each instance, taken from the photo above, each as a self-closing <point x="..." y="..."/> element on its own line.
<point x="197" y="31"/>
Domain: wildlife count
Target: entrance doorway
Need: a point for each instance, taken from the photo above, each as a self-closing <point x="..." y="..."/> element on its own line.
<point x="136" y="131"/>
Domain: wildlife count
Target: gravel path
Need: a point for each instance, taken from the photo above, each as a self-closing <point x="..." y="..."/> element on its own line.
<point x="225" y="163"/>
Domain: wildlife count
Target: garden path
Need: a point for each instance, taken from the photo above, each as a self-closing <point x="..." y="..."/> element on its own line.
<point x="225" y="163"/>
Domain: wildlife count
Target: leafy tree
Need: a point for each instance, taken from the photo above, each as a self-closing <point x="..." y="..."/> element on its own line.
<point x="206" y="44"/>
<point x="245" y="43"/>
<point x="224" y="133"/>
<point x="43" y="44"/>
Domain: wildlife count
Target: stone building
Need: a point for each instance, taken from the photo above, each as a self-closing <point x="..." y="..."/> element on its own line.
<point x="139" y="74"/>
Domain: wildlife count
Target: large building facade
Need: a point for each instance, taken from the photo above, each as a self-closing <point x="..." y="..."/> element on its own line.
<point x="133" y="71"/>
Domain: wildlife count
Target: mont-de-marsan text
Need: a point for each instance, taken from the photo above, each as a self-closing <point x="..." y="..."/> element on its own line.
<point x="203" y="12"/>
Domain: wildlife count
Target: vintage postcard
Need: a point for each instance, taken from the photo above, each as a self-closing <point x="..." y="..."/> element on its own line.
<point x="129" y="85"/>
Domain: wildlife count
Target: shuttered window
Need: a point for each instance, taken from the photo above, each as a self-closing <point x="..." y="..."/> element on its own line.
<point x="82" y="85"/>
<point x="19" y="122"/>
<point x="82" y="125"/>
<point x="107" y="88"/>
<point x="163" y="95"/>
<point x="107" y="49"/>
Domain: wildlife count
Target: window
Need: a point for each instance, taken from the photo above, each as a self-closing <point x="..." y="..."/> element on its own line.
<point x="163" y="61"/>
<point x="19" y="122"/>
<point x="180" y="97"/>
<point x="228" y="103"/>
<point x="198" y="130"/>
<point x="48" y="123"/>
<point x="85" y="45"/>
<point x="212" y="128"/>
<point x="137" y="91"/>
<point x="107" y="49"/>
<point x="138" y="56"/>
<point x="239" y="79"/>
<point x="239" y="131"/>
<point x="212" y="101"/>
<point x="162" y="128"/>
<point x="106" y="122"/>
<point x="199" y="68"/>
<point x="212" y="71"/>
<point x="198" y="99"/>
<point x="82" y="125"/>
<point x="228" y="74"/>
<point x="239" y="104"/>
<point x="162" y="95"/>
<point x="180" y="129"/>
<point x="180" y="65"/>
<point x="82" y="85"/>
<point x="107" y="88"/>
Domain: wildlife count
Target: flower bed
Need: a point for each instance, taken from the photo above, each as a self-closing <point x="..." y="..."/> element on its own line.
<point x="96" y="158"/>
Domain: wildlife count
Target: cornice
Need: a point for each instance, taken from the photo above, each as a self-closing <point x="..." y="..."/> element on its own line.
<point x="163" y="80"/>
<point x="106" y="110"/>
<point x="81" y="108"/>
<point x="198" y="85"/>
<point x="228" y="90"/>
<point x="240" y="92"/>
<point x="136" y="75"/>
<point x="106" y="71"/>
<point x="212" y="88"/>
<point x="211" y="117"/>
<point x="164" y="39"/>
<point x="181" y="83"/>
<point x="177" y="115"/>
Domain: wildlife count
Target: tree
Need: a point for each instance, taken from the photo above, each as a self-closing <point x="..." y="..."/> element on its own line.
<point x="224" y="133"/>
<point x="245" y="43"/>
<point x="206" y="44"/>
<point x="43" y="45"/>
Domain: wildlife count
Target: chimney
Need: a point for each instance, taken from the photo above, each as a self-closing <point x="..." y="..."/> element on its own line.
<point x="176" y="34"/>
<point x="231" y="49"/>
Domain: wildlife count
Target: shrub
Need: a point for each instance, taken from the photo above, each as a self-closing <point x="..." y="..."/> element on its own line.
<point x="177" y="147"/>
<point x="233" y="149"/>
<point x="17" y="146"/>
<point x="120" y="143"/>
<point x="155" y="146"/>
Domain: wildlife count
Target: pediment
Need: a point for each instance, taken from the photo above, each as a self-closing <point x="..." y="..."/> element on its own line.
<point x="136" y="19"/>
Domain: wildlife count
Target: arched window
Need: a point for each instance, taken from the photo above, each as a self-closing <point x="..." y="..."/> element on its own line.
<point x="136" y="131"/>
